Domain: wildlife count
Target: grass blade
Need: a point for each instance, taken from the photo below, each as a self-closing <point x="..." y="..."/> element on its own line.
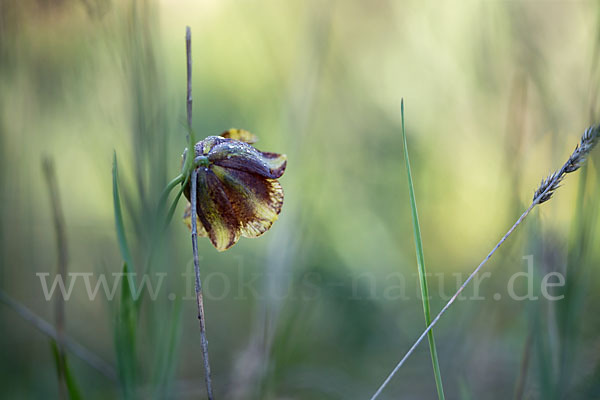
<point x="63" y="368"/>
<point x="173" y="206"/>
<point x="125" y="337"/>
<point x="62" y="251"/>
<point x="165" y="194"/>
<point x="544" y="193"/>
<point x="119" y="225"/>
<point x="421" y="265"/>
<point x="166" y="357"/>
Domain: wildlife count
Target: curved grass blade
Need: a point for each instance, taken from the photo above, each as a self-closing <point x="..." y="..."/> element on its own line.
<point x="174" y="205"/>
<point x="421" y="264"/>
<point x="170" y="186"/>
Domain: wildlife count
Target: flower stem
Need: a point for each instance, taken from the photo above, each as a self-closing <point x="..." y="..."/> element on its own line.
<point x="188" y="98"/>
<point x="194" y="205"/>
<point x="199" y="299"/>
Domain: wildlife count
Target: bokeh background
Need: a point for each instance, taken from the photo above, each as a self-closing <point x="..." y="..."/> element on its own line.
<point x="322" y="306"/>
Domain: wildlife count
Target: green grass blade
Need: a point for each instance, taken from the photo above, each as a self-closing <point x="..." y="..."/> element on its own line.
<point x="125" y="338"/>
<point x="121" y="237"/>
<point x="165" y="360"/>
<point x="62" y="365"/>
<point x="165" y="194"/>
<point x="421" y="265"/>
<point x="119" y="225"/>
<point x="173" y="206"/>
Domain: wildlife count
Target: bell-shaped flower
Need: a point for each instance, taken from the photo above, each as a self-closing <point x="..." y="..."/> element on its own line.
<point x="237" y="189"/>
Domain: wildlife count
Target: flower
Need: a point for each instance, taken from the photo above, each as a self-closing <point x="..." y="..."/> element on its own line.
<point x="237" y="189"/>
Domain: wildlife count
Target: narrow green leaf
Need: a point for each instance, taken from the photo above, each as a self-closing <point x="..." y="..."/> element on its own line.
<point x="421" y="264"/>
<point x="62" y="367"/>
<point x="119" y="225"/>
<point x="165" y="357"/>
<point x="125" y="335"/>
<point x="173" y="206"/>
<point x="165" y="194"/>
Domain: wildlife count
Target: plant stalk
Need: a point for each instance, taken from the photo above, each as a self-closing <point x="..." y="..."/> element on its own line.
<point x="199" y="298"/>
<point x="194" y="206"/>
<point x="61" y="245"/>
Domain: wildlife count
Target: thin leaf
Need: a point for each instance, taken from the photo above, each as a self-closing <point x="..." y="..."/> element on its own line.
<point x="62" y="364"/>
<point x="421" y="265"/>
<point x="125" y="335"/>
<point x="174" y="206"/>
<point x="119" y="225"/>
<point x="165" y="194"/>
<point x="166" y="358"/>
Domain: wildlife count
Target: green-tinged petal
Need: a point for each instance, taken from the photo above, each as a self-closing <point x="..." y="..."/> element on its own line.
<point x="241" y="135"/>
<point x="230" y="153"/>
<point x="256" y="201"/>
<point x="215" y="211"/>
<point x="187" y="220"/>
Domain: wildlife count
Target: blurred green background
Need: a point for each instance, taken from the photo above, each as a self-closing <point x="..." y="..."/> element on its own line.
<point x="323" y="305"/>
